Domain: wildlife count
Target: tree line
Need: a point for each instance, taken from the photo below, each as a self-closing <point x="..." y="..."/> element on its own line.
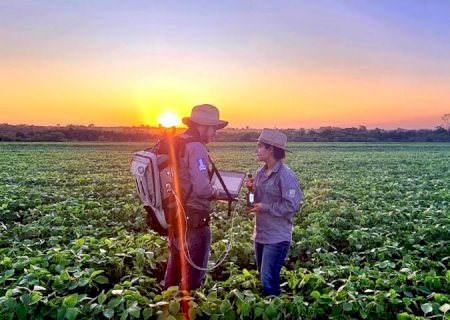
<point x="28" y="133"/>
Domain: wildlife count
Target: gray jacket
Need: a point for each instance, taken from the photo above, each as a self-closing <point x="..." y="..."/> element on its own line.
<point x="280" y="195"/>
<point x="194" y="177"/>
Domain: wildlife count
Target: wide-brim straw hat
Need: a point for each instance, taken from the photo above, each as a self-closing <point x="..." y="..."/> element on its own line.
<point x="206" y="115"/>
<point x="274" y="138"/>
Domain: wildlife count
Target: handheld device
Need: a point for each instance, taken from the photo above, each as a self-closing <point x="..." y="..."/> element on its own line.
<point x="250" y="194"/>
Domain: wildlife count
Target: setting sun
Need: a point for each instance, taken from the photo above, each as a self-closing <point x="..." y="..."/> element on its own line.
<point x="168" y="119"/>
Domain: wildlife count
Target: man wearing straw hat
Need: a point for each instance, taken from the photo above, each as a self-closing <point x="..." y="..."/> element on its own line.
<point x="189" y="247"/>
<point x="277" y="199"/>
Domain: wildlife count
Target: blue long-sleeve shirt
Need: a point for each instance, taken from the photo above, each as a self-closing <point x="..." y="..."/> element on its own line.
<point x="281" y="196"/>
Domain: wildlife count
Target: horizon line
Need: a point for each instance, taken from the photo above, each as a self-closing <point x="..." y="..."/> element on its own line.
<point x="226" y="128"/>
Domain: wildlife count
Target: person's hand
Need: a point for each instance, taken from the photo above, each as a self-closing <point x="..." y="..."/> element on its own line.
<point x="215" y="192"/>
<point x="249" y="182"/>
<point x="257" y="207"/>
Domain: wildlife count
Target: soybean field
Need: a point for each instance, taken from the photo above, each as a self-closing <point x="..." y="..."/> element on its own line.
<point x="371" y="241"/>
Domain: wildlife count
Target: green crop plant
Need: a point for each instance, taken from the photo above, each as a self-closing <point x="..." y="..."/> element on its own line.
<point x="371" y="241"/>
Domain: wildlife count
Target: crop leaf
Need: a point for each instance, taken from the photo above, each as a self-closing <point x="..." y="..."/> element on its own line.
<point x="101" y="279"/>
<point x="403" y="316"/>
<point x="134" y="311"/>
<point x="71" y="301"/>
<point x="347" y="306"/>
<point x="21" y="312"/>
<point x="445" y="307"/>
<point x="315" y="294"/>
<point x="71" y="313"/>
<point x="174" y="307"/>
<point x="426" y="308"/>
<point x="108" y="313"/>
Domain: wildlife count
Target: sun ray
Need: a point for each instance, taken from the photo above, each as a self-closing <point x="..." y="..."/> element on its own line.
<point x="168" y="119"/>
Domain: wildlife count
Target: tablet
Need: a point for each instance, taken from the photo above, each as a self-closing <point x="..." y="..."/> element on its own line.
<point x="232" y="179"/>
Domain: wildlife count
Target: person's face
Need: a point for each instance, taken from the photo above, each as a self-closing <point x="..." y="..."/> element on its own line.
<point x="263" y="153"/>
<point x="207" y="133"/>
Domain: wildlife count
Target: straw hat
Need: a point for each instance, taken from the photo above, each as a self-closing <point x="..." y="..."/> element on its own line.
<point x="274" y="138"/>
<point x="205" y="114"/>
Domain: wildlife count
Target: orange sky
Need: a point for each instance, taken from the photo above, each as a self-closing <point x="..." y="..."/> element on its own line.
<point x="62" y="94"/>
<point x="109" y="73"/>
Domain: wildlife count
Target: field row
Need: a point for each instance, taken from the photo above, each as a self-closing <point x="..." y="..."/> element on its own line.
<point x="372" y="240"/>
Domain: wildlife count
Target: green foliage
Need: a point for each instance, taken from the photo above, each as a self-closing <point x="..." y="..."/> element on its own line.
<point x="370" y="242"/>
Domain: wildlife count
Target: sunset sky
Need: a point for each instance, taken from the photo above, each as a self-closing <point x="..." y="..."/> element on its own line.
<point x="380" y="63"/>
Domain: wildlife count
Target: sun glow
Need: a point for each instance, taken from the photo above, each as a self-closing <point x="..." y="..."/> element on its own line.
<point x="168" y="119"/>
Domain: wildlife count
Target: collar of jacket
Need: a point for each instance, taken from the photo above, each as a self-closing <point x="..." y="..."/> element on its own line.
<point x="194" y="134"/>
<point x="275" y="168"/>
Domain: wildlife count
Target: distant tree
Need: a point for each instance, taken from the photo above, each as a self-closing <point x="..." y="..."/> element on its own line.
<point x="142" y="133"/>
<point x="20" y="135"/>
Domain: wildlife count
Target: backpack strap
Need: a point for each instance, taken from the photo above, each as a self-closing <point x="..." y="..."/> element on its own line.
<point x="163" y="146"/>
<point x="181" y="153"/>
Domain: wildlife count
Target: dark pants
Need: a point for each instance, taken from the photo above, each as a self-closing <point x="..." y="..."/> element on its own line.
<point x="198" y="242"/>
<point x="269" y="260"/>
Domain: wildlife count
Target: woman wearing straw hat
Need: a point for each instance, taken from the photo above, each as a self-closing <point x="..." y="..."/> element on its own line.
<point x="277" y="199"/>
<point x="193" y="176"/>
